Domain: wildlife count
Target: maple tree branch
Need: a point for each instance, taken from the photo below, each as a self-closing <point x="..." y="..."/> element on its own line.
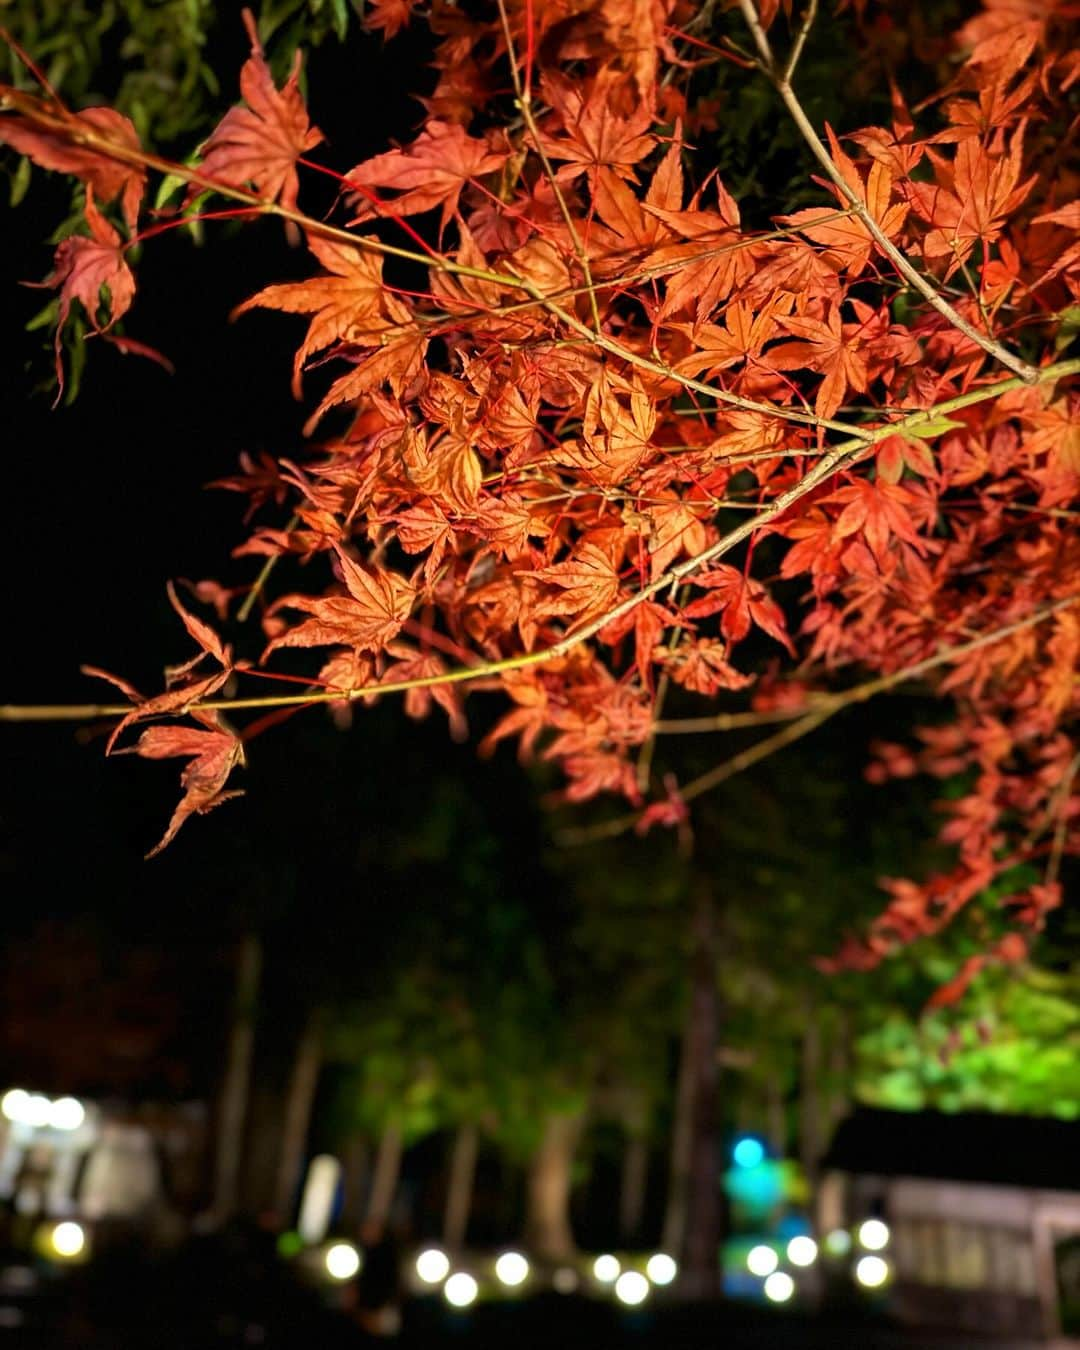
<point x="524" y="103"/>
<point x="870" y="688"/>
<point x="264" y="576"/>
<point x="808" y="720"/>
<point x="910" y="274"/>
<point x="800" y="39"/>
<point x="829" y="463"/>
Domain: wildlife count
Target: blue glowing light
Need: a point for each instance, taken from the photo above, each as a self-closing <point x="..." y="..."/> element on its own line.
<point x="748" y="1152"/>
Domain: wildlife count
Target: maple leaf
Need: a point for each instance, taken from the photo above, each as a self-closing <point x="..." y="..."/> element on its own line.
<point x="701" y="665"/>
<point x="398" y="364"/>
<point x="647" y="622"/>
<point x="742" y="601"/>
<point x="826" y="348"/>
<point x="972" y="199"/>
<point x="377" y="604"/>
<point x="84" y="267"/>
<point x="55" y="149"/>
<point x="594" y="135"/>
<point x="879" y="510"/>
<point x="743" y="335"/>
<point x="260" y="143"/>
<point x="430" y="172"/>
<point x="388" y="16"/>
<point x="214" y="753"/>
<point x="415" y="665"/>
<point x="350" y="304"/>
<point x="848" y="242"/>
<point x="588" y="583"/>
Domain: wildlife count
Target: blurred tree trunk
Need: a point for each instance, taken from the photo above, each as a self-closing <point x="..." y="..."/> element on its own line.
<point x="547" y="1225"/>
<point x="674" y="1232"/>
<point x="635" y="1176"/>
<point x="776" y="1114"/>
<point x="354" y="1164"/>
<point x="703" y="1217"/>
<point x="236" y="1085"/>
<point x="384" y="1178"/>
<point x="459" y="1185"/>
<point x="299" y="1098"/>
<point x="810" y="1123"/>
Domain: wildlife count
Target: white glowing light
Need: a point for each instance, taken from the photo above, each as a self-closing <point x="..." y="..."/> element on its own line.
<point x="761" y="1260"/>
<point x="66" y="1113"/>
<point x="873" y="1235"/>
<point x="838" y="1243"/>
<point x="661" y="1269"/>
<point x="802" y="1251"/>
<point x="512" y="1268"/>
<point x="433" y="1266"/>
<point x="68" y="1239"/>
<point x="460" y="1290"/>
<point x="631" y="1288"/>
<point x="871" y="1271"/>
<point x="36" y="1111"/>
<point x="565" y="1280"/>
<point x="13" y="1104"/>
<point x="342" y="1260"/>
<point x="606" y="1269"/>
<point x="779" y="1287"/>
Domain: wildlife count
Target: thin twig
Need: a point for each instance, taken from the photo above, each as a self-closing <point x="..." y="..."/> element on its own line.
<point x="264" y="576"/>
<point x="800" y="40"/>
<point x="915" y="278"/>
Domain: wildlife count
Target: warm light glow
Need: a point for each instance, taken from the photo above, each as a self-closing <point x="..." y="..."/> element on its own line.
<point x="68" y="1239"/>
<point x="873" y="1235"/>
<point x="36" y="1111"/>
<point x="565" y="1280"/>
<point x="511" y="1268"/>
<point x="748" y="1152"/>
<point x="661" y="1269"/>
<point x="606" y="1269"/>
<point x="779" y="1287"/>
<point x="66" y="1113"/>
<point x="802" y="1251"/>
<point x="460" y="1290"/>
<point x="761" y="1260"/>
<point x="631" y="1288"/>
<point x="838" y="1243"/>
<point x="871" y="1271"/>
<point x="342" y="1260"/>
<point x="433" y="1266"/>
<point x="13" y="1104"/>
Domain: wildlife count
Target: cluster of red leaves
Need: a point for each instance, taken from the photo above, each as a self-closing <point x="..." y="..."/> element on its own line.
<point x="527" y="474"/>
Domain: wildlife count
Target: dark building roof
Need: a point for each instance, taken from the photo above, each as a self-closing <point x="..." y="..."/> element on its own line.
<point x="1032" y="1151"/>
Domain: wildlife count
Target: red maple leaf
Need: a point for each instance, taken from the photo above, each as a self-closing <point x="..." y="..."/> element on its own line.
<point x="377" y="604"/>
<point x="60" y="150"/>
<point x="259" y="144"/>
<point x="743" y="603"/>
<point x="828" y="348"/>
<point x="213" y="752"/>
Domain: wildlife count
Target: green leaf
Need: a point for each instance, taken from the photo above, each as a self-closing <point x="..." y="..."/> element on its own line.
<point x="933" y="426"/>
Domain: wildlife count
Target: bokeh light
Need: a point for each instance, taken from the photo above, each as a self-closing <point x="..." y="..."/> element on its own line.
<point x="871" y="1271"/>
<point x="873" y="1235"/>
<point x="66" y="1113"/>
<point x="68" y="1238"/>
<point x="748" y="1152"/>
<point x="342" y="1260"/>
<point x="661" y="1269"/>
<point x="802" y="1251"/>
<point x="779" y="1287"/>
<point x="606" y="1268"/>
<point x="460" y="1290"/>
<point x="761" y="1260"/>
<point x="631" y="1288"/>
<point x="433" y="1265"/>
<point x="512" y="1269"/>
<point x="838" y="1242"/>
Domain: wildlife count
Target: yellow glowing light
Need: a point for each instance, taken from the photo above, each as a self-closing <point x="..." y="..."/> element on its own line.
<point x="761" y="1260"/>
<point x="565" y="1280"/>
<point x="68" y="1238"/>
<point x="606" y="1269"/>
<point x="779" y="1287"/>
<point x="433" y="1266"/>
<point x="512" y="1269"/>
<point x="631" y="1288"/>
<point x="873" y="1235"/>
<point x="342" y="1260"/>
<point x="13" y="1104"/>
<point x="36" y="1110"/>
<point x="661" y="1269"/>
<point x="802" y="1251"/>
<point x="460" y="1290"/>
<point x="871" y="1271"/>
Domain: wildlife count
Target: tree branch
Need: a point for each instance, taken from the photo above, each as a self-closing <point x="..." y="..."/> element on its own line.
<point x="781" y="82"/>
